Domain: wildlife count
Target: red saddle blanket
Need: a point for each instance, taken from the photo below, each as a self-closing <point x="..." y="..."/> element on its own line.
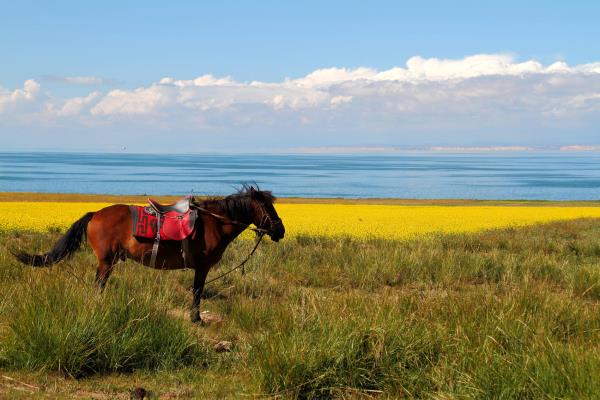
<point x="173" y="226"/>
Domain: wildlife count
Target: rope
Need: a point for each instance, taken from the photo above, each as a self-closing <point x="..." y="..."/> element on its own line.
<point x="260" y="231"/>
<point x="260" y="237"/>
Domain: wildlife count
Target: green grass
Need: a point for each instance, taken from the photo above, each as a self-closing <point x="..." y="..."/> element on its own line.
<point x="510" y="313"/>
<point x="59" y="326"/>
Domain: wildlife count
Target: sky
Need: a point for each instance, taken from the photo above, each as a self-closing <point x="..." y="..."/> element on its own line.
<point x="269" y="76"/>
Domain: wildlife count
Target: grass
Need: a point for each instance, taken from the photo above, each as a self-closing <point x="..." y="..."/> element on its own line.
<point x="509" y="313"/>
<point x="59" y="326"/>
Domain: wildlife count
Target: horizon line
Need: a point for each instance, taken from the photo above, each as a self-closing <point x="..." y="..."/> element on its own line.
<point x="365" y="149"/>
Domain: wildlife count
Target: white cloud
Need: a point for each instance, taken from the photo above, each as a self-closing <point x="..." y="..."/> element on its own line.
<point x="83" y="80"/>
<point x="73" y="106"/>
<point x="485" y="91"/>
<point x="337" y="100"/>
<point x="579" y="148"/>
<point x="434" y="69"/>
<point x="204" y="80"/>
<point x="330" y="76"/>
<point x="135" y="102"/>
<point x="17" y="97"/>
<point x="77" y="80"/>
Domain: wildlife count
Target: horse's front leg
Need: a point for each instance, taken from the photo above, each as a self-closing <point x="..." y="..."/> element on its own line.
<point x="199" y="279"/>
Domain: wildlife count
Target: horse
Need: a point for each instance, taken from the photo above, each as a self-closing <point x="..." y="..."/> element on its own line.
<point x="219" y="221"/>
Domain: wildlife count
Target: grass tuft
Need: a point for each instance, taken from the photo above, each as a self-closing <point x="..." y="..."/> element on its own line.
<point x="60" y="325"/>
<point x="323" y="358"/>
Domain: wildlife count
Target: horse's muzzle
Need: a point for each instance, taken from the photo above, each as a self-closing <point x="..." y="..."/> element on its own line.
<point x="277" y="231"/>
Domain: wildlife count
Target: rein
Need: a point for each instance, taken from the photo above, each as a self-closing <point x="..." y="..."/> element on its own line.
<point x="260" y="231"/>
<point x="241" y="265"/>
<point x="231" y="221"/>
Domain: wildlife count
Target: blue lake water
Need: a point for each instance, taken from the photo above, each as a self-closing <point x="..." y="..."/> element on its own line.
<point x="543" y="175"/>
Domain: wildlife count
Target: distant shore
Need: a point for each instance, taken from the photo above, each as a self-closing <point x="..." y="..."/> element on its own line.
<point x="106" y="198"/>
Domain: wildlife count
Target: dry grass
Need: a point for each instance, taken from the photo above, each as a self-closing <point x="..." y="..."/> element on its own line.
<point x="134" y="199"/>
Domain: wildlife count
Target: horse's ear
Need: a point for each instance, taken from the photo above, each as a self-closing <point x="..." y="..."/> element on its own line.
<point x="252" y="192"/>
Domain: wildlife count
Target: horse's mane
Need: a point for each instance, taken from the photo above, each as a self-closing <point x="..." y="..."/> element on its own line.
<point x="237" y="205"/>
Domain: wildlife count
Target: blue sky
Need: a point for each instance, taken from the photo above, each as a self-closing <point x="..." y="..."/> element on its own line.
<point x="95" y="71"/>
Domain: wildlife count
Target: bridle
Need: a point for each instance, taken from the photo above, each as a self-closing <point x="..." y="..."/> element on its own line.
<point x="267" y="218"/>
<point x="259" y="229"/>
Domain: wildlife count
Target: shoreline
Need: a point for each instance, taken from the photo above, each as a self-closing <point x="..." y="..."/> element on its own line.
<point x="108" y="198"/>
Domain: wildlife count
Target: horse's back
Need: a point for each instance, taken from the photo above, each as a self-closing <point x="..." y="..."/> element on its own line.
<point x="116" y="213"/>
<point x="112" y="222"/>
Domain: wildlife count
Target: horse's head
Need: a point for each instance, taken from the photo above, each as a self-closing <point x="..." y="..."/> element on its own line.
<point x="264" y="215"/>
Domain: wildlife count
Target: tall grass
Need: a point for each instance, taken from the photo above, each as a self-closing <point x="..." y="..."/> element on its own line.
<point x="324" y="354"/>
<point x="57" y="320"/>
<point x="58" y="325"/>
<point x="511" y="313"/>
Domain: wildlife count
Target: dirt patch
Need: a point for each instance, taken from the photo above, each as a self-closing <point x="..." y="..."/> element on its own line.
<point x="223" y="346"/>
<point x="181" y="394"/>
<point x="14" y="384"/>
<point x="208" y="318"/>
<point x="84" y="394"/>
<point x="143" y="199"/>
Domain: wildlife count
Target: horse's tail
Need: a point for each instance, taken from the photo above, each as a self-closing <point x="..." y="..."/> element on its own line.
<point x="66" y="245"/>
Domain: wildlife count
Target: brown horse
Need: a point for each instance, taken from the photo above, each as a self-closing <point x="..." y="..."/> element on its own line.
<point x="219" y="222"/>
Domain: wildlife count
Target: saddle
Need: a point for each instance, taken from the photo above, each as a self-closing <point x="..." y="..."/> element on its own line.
<point x="180" y="207"/>
<point x="173" y="222"/>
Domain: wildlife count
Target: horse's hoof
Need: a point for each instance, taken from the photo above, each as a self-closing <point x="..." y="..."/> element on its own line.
<point x="197" y="320"/>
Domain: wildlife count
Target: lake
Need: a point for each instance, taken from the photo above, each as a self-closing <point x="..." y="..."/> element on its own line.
<point x="527" y="175"/>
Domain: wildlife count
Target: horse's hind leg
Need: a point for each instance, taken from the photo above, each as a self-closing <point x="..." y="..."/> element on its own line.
<point x="102" y="274"/>
<point x="107" y="232"/>
<point x="105" y="267"/>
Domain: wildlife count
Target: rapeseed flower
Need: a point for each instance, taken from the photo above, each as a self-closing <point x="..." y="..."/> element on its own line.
<point x="354" y="220"/>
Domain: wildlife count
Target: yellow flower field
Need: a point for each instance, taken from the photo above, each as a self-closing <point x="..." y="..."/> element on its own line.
<point x="357" y="220"/>
<point x="408" y="221"/>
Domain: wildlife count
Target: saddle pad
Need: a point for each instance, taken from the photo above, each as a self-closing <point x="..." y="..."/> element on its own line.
<point x="173" y="226"/>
